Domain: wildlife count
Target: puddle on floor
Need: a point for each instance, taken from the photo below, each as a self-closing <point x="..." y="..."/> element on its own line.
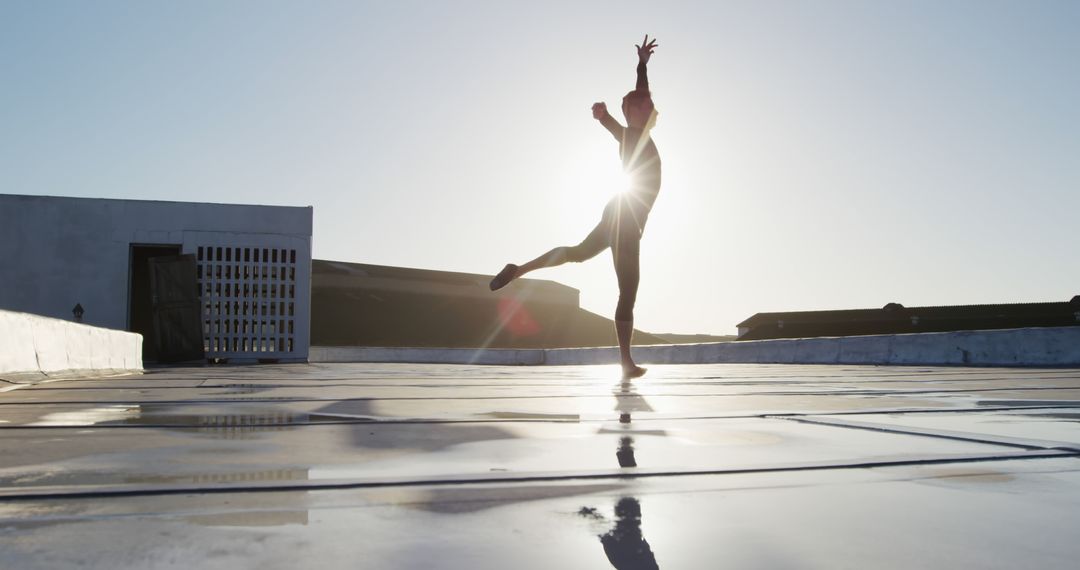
<point x="151" y="415"/>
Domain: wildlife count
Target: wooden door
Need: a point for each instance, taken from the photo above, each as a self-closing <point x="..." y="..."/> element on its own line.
<point x="177" y="309"/>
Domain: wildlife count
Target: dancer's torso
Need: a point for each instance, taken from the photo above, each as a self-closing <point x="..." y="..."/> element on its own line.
<point x="641" y="162"/>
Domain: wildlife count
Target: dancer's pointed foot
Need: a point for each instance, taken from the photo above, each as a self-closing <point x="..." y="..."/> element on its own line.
<point x="504" y="277"/>
<point x="633" y="371"/>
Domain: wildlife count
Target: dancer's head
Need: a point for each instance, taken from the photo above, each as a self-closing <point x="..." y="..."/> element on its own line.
<point x="638" y="108"/>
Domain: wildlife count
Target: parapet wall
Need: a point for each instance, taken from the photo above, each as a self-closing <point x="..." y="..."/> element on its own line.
<point x="34" y="345"/>
<point x="1058" y="346"/>
<point x="494" y="356"/>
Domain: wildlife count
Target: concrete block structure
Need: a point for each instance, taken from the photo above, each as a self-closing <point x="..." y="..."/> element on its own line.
<point x="253" y="267"/>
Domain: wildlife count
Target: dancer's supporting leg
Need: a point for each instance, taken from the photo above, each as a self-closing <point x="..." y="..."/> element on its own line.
<point x="626" y="253"/>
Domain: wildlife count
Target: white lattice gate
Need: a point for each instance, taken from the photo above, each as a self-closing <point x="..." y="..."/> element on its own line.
<point x="256" y="295"/>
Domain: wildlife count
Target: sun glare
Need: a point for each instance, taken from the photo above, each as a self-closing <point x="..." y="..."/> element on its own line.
<point x="602" y="180"/>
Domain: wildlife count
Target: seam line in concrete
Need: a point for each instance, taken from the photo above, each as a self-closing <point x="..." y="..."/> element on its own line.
<point x="571" y="397"/>
<point x="201" y="383"/>
<point x="919" y="432"/>
<point x="8" y="495"/>
<point x="840" y="392"/>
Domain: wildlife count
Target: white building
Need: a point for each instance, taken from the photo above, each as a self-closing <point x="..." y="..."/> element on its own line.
<point x="252" y="266"/>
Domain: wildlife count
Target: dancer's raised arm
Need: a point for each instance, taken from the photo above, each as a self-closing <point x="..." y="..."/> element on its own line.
<point x="644" y="52"/>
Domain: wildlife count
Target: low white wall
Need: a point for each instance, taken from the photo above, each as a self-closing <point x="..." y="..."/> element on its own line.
<point x="34" y="344"/>
<point x="1059" y="346"/>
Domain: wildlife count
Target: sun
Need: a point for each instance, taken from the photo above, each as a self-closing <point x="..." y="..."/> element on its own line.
<point x="597" y="179"/>
<point x="609" y="180"/>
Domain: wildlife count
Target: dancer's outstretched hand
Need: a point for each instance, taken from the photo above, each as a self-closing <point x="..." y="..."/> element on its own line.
<point x="644" y="51"/>
<point x="599" y="110"/>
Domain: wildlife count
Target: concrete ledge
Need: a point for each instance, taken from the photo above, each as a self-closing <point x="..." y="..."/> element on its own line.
<point x="508" y="357"/>
<point x="1059" y="346"/>
<point x="32" y="346"/>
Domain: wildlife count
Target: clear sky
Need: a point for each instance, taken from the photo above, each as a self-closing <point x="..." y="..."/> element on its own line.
<point x="817" y="155"/>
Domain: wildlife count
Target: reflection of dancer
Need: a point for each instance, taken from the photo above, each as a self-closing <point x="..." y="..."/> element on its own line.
<point x="624" y="217"/>
<point x="625" y="452"/>
<point x="626" y="401"/>
<point x="624" y="544"/>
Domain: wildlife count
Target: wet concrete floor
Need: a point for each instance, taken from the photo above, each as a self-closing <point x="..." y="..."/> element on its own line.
<point x="433" y="466"/>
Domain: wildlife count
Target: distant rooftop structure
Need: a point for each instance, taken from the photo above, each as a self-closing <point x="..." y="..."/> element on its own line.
<point x="357" y="304"/>
<point x="895" y="318"/>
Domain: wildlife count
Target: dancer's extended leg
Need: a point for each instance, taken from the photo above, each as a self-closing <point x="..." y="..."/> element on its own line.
<point x="553" y="258"/>
<point x="590" y="247"/>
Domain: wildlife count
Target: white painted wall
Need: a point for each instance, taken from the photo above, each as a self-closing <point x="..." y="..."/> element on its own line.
<point x="56" y="252"/>
<point x="35" y="344"/>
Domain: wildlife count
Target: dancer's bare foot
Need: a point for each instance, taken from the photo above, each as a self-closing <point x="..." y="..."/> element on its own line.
<point x="633" y="371"/>
<point x="504" y="277"/>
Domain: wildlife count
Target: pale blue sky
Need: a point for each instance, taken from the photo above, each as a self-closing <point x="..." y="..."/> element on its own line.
<point x="817" y="155"/>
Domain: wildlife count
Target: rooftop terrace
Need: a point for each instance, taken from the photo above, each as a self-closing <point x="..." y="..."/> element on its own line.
<point x="420" y="466"/>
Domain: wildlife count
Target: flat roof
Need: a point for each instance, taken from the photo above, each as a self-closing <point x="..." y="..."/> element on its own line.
<point x="51" y="197"/>
<point x="692" y="466"/>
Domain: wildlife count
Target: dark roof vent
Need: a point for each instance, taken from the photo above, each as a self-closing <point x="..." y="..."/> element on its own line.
<point x="890" y="307"/>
